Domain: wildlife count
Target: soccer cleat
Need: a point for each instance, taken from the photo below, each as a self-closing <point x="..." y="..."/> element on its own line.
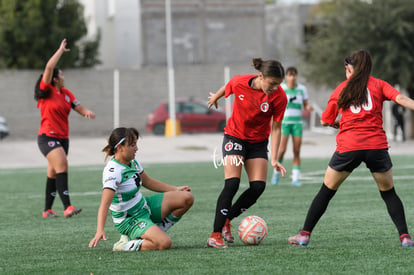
<point x="301" y="239"/>
<point x="71" y="211"/>
<point x="406" y="240"/>
<point x="275" y="178"/>
<point x="216" y="241"/>
<point x="226" y="232"/>
<point x="119" y="245"/>
<point x="296" y="183"/>
<point x="49" y="214"/>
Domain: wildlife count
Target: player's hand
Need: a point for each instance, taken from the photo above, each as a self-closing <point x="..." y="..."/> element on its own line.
<point x="212" y="100"/>
<point x="89" y="114"/>
<point x="279" y="167"/>
<point x="63" y="45"/>
<point x="98" y="236"/>
<point x="184" y="188"/>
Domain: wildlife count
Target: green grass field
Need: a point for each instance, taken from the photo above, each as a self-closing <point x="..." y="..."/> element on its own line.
<point x="355" y="236"/>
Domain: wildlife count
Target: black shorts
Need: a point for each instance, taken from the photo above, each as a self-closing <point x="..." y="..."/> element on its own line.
<point x="47" y="144"/>
<point x="248" y="150"/>
<point x="376" y="160"/>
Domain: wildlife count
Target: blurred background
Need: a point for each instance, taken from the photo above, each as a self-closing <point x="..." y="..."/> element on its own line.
<point x="210" y="39"/>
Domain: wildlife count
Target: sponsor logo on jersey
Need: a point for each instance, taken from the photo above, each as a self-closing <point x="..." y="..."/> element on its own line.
<point x="110" y="179"/>
<point x="264" y="107"/>
<point x="142" y="225"/>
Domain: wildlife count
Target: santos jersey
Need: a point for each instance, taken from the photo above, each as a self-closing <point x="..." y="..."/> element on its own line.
<point x="295" y="96"/>
<point x="361" y="126"/>
<point x="54" y="111"/>
<point x="253" y="110"/>
<point x="126" y="182"/>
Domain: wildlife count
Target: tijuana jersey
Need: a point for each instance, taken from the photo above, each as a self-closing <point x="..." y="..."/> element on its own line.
<point x="54" y="111"/>
<point x="253" y="109"/>
<point x="361" y="126"/>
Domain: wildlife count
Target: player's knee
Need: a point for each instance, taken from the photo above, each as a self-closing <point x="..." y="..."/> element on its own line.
<point x="164" y="243"/>
<point x="257" y="187"/>
<point x="188" y="199"/>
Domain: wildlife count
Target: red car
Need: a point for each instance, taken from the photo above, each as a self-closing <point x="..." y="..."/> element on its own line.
<point x="194" y="117"/>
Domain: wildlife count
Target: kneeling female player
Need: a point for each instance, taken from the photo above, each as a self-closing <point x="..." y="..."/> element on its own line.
<point x="142" y="221"/>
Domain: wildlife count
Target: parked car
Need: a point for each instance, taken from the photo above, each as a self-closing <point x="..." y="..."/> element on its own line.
<point x="193" y="115"/>
<point x="4" y="128"/>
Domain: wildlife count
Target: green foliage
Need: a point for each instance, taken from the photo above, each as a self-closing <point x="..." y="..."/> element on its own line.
<point x="383" y="27"/>
<point x="31" y="31"/>
<point x="355" y="236"/>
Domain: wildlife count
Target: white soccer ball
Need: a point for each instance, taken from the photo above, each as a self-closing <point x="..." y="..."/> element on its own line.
<point x="252" y="230"/>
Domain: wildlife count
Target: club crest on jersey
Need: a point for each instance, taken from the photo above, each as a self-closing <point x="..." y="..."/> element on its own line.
<point x="264" y="107"/>
<point x="67" y="98"/>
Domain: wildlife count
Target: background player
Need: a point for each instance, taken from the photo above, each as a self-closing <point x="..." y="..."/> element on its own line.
<point x="297" y="95"/>
<point x="142" y="221"/>
<point x="55" y="103"/>
<point x="258" y="101"/>
<point x="361" y="139"/>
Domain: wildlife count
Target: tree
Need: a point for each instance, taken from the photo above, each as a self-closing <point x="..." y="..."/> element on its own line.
<point x="383" y="27"/>
<point x="31" y="30"/>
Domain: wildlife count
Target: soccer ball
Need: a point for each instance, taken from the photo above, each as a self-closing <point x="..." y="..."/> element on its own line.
<point x="252" y="230"/>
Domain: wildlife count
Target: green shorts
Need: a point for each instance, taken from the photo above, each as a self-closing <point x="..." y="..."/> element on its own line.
<point x="294" y="129"/>
<point x="146" y="217"/>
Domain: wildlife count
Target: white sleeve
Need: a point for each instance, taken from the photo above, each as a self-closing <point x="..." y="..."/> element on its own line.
<point x="305" y="92"/>
<point x="111" y="178"/>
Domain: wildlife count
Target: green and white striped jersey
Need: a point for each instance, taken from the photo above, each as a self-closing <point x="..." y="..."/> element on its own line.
<point x="126" y="182"/>
<point x="296" y="96"/>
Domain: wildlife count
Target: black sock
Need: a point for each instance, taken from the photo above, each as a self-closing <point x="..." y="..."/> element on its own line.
<point x="224" y="202"/>
<point x="50" y="193"/>
<point x="247" y="199"/>
<point x="62" y="187"/>
<point x="395" y="210"/>
<point x="318" y="207"/>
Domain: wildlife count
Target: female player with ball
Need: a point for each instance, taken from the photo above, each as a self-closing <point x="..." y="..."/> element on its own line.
<point x="142" y="221"/>
<point x="361" y="138"/>
<point x="258" y="111"/>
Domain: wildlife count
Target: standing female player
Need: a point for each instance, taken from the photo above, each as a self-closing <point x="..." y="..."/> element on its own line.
<point x="55" y="103"/>
<point x="258" y="111"/>
<point x="292" y="123"/>
<point x="361" y="138"/>
<point x="142" y="221"/>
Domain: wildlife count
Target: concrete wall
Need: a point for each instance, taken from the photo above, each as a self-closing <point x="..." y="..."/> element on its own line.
<point x="141" y="91"/>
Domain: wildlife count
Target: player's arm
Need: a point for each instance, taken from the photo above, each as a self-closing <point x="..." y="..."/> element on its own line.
<point x="159" y="186"/>
<point x="404" y="101"/>
<point x="107" y="196"/>
<point x="51" y="64"/>
<point x="307" y="106"/>
<point x="214" y="97"/>
<point x="275" y="138"/>
<point x="84" y="112"/>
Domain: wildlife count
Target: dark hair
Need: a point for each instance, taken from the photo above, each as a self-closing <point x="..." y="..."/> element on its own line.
<point x="292" y="70"/>
<point x="355" y="91"/>
<point x="39" y="93"/>
<point x="120" y="136"/>
<point x="271" y="68"/>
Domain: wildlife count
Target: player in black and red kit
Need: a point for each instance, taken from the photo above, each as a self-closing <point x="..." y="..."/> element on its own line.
<point x="55" y="103"/>
<point x="361" y="138"/>
<point x="258" y="110"/>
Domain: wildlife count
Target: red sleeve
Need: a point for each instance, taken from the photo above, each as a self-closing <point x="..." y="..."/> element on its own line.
<point x="388" y="91"/>
<point x="279" y="110"/>
<point x="229" y="86"/>
<point x="331" y="110"/>
<point x="44" y="86"/>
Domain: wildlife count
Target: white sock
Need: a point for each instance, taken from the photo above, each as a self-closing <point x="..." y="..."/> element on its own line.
<point x="295" y="174"/>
